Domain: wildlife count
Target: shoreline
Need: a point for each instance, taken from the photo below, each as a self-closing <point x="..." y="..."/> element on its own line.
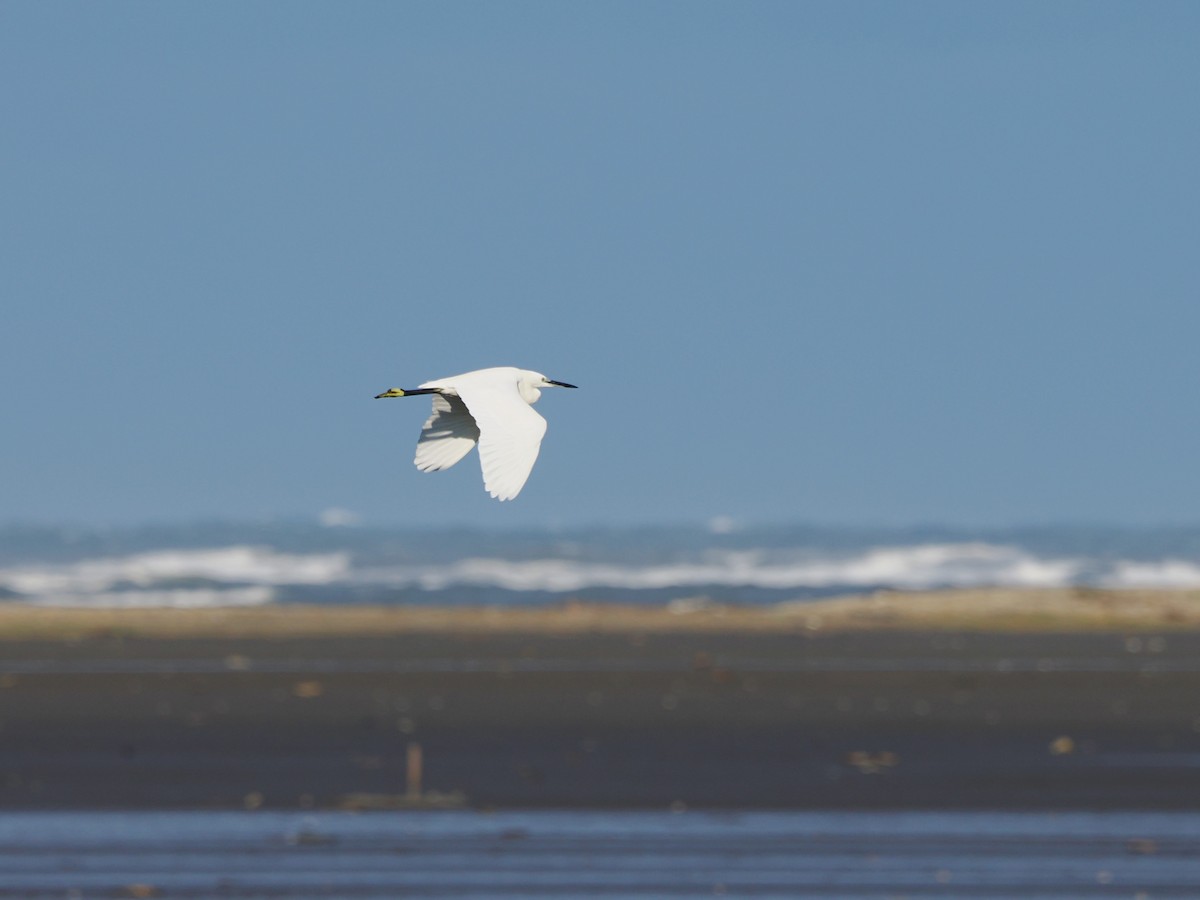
<point x="1009" y="610"/>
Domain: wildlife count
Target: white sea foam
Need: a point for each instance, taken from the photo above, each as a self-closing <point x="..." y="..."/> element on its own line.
<point x="121" y="580"/>
<point x="258" y="595"/>
<point x="246" y="575"/>
<point x="921" y="566"/>
<point x="1169" y="573"/>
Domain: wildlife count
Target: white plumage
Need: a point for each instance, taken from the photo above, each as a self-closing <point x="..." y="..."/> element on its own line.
<point x="491" y="407"/>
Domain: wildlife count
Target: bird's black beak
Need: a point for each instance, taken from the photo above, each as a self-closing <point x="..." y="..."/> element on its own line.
<point x="560" y="383"/>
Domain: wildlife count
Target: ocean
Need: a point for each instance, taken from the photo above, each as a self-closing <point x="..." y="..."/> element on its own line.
<point x="599" y="854"/>
<point x="255" y="564"/>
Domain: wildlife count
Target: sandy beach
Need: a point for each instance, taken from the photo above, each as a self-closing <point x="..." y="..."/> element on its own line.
<point x="958" y="700"/>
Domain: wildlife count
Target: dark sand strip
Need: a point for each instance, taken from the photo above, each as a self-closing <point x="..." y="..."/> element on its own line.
<point x="293" y="708"/>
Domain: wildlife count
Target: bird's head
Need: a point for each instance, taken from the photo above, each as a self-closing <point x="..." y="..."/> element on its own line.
<point x="531" y="383"/>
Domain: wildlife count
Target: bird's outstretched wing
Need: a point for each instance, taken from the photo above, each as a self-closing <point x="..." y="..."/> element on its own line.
<point x="510" y="435"/>
<point x="447" y="436"/>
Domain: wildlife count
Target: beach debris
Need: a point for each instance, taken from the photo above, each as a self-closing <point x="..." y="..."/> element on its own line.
<point x="414" y="769"/>
<point x="309" y="835"/>
<point x="253" y="800"/>
<point x="413" y="797"/>
<point x="720" y="675"/>
<point x="236" y="662"/>
<point x="1062" y="745"/>
<point x="1142" y="846"/>
<point x="872" y="763"/>
<point x="682" y="606"/>
<point x="307" y="689"/>
<point x="366" y="802"/>
<point x="141" y="890"/>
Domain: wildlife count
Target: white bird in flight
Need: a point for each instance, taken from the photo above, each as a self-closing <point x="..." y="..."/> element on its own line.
<point x="488" y="406"/>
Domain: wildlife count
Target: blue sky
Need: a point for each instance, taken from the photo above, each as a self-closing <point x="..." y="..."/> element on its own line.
<point x="833" y="262"/>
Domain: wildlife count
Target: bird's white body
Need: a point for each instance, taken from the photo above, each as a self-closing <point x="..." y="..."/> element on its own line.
<point x="491" y="407"/>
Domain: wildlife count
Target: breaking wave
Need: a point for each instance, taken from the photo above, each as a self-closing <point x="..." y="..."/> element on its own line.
<point x="248" y="575"/>
<point x="922" y="566"/>
<point x="229" y="576"/>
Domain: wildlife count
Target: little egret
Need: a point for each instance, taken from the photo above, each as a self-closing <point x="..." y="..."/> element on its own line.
<point x="493" y="407"/>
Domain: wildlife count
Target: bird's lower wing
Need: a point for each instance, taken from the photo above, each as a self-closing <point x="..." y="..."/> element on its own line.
<point x="447" y="436"/>
<point x="510" y="436"/>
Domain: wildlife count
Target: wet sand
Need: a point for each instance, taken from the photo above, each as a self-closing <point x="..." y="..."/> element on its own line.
<point x="843" y="705"/>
